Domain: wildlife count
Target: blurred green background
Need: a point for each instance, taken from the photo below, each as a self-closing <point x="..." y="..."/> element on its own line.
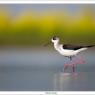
<point x="28" y="25"/>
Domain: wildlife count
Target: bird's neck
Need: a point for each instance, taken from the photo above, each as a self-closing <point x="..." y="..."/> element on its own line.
<point x="56" y="45"/>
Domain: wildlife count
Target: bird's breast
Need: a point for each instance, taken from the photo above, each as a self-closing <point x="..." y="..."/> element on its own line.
<point x="67" y="52"/>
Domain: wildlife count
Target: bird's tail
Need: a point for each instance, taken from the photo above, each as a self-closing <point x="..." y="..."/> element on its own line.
<point x="90" y="46"/>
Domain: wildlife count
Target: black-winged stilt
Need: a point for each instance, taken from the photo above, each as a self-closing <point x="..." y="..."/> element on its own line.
<point x="68" y="50"/>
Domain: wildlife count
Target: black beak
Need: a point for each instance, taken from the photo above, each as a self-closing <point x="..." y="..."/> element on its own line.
<point x="47" y="44"/>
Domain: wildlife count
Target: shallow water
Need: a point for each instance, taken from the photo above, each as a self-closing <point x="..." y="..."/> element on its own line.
<point x="39" y="70"/>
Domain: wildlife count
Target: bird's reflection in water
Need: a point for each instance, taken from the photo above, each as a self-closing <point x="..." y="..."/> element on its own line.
<point x="71" y="82"/>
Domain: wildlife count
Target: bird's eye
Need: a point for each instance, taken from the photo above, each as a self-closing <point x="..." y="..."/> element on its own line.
<point x="54" y="38"/>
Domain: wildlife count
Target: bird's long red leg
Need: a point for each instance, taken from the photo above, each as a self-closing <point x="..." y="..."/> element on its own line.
<point x="73" y="67"/>
<point x="80" y="61"/>
<point x="65" y="67"/>
<point x="72" y="64"/>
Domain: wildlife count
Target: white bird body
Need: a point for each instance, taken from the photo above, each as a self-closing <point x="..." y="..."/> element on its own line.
<point x="66" y="52"/>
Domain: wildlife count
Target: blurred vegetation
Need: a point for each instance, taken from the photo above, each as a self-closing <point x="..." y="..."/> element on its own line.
<point x="32" y="28"/>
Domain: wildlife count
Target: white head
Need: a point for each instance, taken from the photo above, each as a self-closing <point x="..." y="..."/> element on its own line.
<point x="55" y="39"/>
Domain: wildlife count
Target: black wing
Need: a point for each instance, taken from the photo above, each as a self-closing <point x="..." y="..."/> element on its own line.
<point x="72" y="47"/>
